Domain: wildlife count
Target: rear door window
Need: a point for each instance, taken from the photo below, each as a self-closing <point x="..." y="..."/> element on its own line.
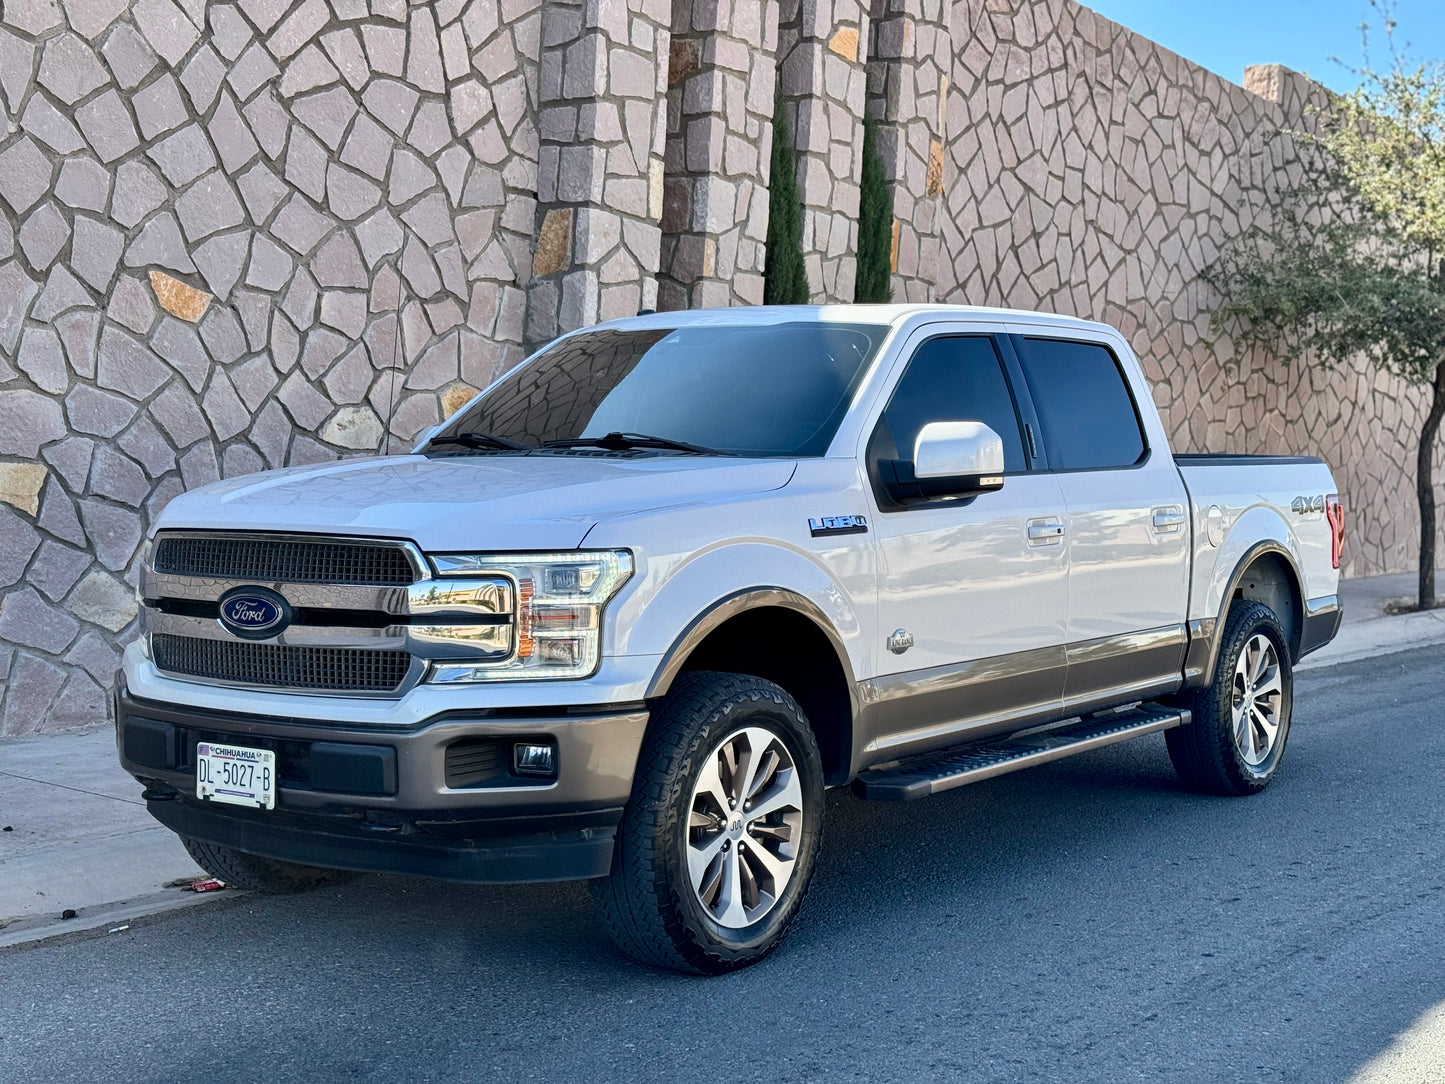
<point x="1084" y="405"/>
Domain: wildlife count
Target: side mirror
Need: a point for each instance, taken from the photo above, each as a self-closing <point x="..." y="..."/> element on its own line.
<point x="959" y="450"/>
<point x="950" y="459"/>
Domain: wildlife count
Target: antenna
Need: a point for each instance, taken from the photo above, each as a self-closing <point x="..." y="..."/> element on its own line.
<point x="396" y="358"/>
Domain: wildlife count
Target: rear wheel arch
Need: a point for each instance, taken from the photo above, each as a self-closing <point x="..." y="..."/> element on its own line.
<point x="1265" y="573"/>
<point x="1268" y="575"/>
<point x="782" y="637"/>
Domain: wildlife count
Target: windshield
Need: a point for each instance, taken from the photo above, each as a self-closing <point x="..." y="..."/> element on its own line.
<point x="761" y="390"/>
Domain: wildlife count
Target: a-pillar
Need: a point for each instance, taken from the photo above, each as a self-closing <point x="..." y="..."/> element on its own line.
<point x="719" y="136"/>
<point x="910" y="41"/>
<point x="823" y="84"/>
<point x="599" y="180"/>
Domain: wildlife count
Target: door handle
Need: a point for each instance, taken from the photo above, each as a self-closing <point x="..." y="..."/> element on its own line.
<point x="1168" y="520"/>
<point x="1045" y="532"/>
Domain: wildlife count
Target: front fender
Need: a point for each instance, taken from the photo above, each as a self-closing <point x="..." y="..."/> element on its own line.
<point x="677" y="604"/>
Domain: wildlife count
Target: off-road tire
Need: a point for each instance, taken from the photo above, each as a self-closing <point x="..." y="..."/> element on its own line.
<point x="271" y="875"/>
<point x="1205" y="753"/>
<point x="648" y="903"/>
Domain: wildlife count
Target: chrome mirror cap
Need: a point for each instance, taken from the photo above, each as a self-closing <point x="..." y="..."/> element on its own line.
<point x="959" y="449"/>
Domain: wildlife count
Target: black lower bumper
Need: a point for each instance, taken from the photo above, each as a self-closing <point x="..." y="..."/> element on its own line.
<point x="436" y="800"/>
<point x="563" y="848"/>
<point x="1322" y="622"/>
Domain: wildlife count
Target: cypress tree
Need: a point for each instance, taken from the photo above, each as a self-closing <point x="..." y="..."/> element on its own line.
<point x="785" y="278"/>
<point x="874" y="278"/>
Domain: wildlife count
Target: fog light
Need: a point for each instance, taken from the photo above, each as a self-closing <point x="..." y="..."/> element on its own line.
<point x="532" y="758"/>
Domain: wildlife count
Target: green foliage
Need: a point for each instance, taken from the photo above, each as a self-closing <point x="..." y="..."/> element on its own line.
<point x="874" y="280"/>
<point x="1353" y="262"/>
<point x="1388" y="138"/>
<point x="785" y="278"/>
<point x="1329" y="281"/>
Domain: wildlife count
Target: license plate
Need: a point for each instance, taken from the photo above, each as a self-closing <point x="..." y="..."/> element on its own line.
<point x="236" y="775"/>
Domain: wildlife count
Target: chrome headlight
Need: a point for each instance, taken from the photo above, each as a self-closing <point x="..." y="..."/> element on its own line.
<point x="557" y="619"/>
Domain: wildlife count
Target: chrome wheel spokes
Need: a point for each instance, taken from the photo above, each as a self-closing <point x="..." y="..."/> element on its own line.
<point x="744" y="824"/>
<point x="1257" y="700"/>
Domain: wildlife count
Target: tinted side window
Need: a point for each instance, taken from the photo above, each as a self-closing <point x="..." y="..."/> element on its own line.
<point x="955" y="379"/>
<point x="1084" y="405"/>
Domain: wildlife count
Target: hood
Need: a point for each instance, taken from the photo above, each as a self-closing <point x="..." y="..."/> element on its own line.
<point x="459" y="503"/>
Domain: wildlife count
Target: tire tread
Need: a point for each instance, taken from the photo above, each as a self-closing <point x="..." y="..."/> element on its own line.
<point x="637" y="905"/>
<point x="1203" y="752"/>
<point x="258" y="873"/>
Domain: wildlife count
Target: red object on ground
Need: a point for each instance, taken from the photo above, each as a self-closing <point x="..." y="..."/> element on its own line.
<point x="207" y="884"/>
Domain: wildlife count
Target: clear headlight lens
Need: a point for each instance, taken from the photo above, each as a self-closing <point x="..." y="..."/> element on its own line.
<point x="558" y="618"/>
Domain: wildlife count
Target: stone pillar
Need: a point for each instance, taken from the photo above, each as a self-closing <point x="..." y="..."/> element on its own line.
<point x="910" y="43"/>
<point x="599" y="184"/>
<point x="821" y="46"/>
<point x="719" y="137"/>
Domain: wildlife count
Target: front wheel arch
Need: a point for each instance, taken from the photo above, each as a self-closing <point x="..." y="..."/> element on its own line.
<point x="782" y="637"/>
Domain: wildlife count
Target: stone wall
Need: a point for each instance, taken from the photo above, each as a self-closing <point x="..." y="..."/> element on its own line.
<point x="234" y="237"/>
<point x="1092" y="172"/>
<point x="244" y="235"/>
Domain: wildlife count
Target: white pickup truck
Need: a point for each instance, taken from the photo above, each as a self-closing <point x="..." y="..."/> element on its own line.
<point x="628" y="613"/>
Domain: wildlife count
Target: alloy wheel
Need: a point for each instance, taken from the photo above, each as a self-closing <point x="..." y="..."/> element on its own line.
<point x="745" y="824"/>
<point x="1258" y="697"/>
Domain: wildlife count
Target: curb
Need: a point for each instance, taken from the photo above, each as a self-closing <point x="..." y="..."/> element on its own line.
<point x="39" y="928"/>
<point x="1378" y="636"/>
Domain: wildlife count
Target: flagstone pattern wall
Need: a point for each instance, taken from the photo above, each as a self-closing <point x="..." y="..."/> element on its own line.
<point x="234" y="236"/>
<point x="245" y="235"/>
<point x="1092" y="172"/>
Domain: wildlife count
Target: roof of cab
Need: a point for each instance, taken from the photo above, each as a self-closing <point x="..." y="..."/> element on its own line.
<point x="890" y="315"/>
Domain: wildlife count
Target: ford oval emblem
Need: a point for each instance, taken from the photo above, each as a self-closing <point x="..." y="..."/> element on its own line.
<point x="254" y="613"/>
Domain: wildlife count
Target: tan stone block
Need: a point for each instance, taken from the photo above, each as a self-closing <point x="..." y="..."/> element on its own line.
<point x="554" y="242"/>
<point x="20" y="485"/>
<point x="455" y="397"/>
<point x="844" y="42"/>
<point x="181" y="301"/>
<point x="684" y="59"/>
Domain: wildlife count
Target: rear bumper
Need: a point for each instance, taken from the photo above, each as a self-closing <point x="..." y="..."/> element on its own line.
<point x="1322" y="621"/>
<point x="401" y="801"/>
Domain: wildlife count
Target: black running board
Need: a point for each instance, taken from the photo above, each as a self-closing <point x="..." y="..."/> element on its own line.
<point x="937" y="772"/>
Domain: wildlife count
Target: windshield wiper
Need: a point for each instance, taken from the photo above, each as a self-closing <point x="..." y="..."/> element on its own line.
<point x="480" y="440"/>
<point x="622" y="442"/>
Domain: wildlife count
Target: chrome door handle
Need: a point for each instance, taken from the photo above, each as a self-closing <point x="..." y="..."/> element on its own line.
<point x="1045" y="532"/>
<point x="1169" y="520"/>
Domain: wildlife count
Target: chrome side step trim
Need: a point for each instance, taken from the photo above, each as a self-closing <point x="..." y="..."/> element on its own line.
<point x="920" y="777"/>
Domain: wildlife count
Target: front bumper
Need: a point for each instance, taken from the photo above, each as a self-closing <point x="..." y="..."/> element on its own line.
<point x="437" y="799"/>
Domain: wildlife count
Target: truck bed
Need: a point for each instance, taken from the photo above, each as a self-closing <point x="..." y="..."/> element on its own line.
<point x="1245" y="499"/>
<point x="1213" y="459"/>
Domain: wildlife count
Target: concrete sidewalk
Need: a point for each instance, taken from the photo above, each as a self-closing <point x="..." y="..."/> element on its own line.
<point x="79" y="838"/>
<point x="1368" y="631"/>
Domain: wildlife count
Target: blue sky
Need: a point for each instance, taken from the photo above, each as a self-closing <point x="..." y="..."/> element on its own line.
<point x="1226" y="35"/>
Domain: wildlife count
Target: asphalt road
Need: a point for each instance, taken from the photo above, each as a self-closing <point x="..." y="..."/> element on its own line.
<point x="1087" y="920"/>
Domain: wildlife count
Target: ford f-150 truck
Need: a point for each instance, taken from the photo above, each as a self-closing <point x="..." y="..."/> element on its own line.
<point x="630" y="611"/>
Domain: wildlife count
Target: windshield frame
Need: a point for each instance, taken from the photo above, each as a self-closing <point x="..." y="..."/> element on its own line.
<point x="884" y="331"/>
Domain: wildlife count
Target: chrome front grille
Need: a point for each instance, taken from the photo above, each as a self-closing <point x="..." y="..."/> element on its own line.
<point x="332" y="669"/>
<point x="363" y="617"/>
<point x="284" y="560"/>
